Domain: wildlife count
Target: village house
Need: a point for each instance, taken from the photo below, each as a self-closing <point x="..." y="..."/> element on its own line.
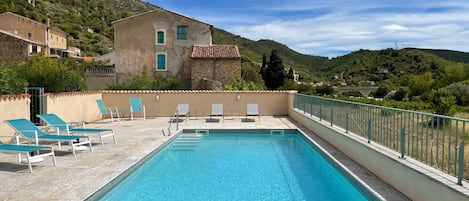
<point x="21" y="37"/>
<point x="170" y="44"/>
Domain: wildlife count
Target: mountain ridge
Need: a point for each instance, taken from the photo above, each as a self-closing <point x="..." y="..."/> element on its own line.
<point x="88" y="22"/>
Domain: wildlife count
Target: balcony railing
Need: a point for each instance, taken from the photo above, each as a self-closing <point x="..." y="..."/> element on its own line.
<point x="101" y="71"/>
<point x="435" y="140"/>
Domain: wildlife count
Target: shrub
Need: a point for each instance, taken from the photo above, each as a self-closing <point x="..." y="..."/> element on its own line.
<point x="240" y="84"/>
<point x="10" y="82"/>
<point x="443" y="102"/>
<point x="460" y="91"/>
<point x="55" y="75"/>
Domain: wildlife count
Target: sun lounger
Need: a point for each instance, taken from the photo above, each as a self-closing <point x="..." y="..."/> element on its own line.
<point x="252" y="109"/>
<point x="67" y="127"/>
<point x="32" y="133"/>
<point x="217" y="110"/>
<point x="26" y="150"/>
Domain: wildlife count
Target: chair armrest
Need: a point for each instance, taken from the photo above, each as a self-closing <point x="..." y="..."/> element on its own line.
<point x="76" y="123"/>
<point x="35" y="135"/>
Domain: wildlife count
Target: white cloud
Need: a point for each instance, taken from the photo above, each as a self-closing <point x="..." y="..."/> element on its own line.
<point x="331" y="28"/>
<point x="395" y="27"/>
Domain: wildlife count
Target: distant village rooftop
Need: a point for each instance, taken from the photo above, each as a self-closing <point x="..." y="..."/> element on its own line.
<point x="215" y="51"/>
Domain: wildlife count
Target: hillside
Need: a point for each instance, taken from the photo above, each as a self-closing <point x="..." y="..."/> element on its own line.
<point x="450" y="55"/>
<point x="88" y="22"/>
<point x="253" y="51"/>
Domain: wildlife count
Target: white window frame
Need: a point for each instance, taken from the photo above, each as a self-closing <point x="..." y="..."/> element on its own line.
<point x="165" y="61"/>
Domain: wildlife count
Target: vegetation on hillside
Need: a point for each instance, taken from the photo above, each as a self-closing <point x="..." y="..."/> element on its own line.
<point x="88" y="22"/>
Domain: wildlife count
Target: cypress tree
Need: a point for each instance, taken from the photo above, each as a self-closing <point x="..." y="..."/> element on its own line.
<point x="264" y="65"/>
<point x="274" y="73"/>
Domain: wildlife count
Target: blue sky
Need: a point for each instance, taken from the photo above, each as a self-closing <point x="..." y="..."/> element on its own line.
<point x="334" y="28"/>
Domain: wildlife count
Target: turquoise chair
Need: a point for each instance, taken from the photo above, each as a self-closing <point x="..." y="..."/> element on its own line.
<point x="31" y="132"/>
<point x="136" y="106"/>
<point x="67" y="127"/>
<point x="111" y="111"/>
<point x="26" y="150"/>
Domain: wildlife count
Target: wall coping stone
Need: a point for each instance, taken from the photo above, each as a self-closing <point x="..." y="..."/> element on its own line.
<point x="14" y="97"/>
<point x="196" y="91"/>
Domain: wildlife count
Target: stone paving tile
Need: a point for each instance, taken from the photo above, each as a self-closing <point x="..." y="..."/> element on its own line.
<point x="78" y="178"/>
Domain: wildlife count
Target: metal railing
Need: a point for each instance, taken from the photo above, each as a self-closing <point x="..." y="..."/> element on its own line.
<point x="435" y="140"/>
<point x="103" y="71"/>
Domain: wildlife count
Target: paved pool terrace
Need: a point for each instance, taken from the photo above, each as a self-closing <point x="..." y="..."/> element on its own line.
<point x="78" y="178"/>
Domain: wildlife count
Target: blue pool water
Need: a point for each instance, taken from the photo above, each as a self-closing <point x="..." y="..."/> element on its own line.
<point x="233" y="166"/>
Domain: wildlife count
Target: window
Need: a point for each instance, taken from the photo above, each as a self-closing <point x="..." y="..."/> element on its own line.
<point x="160" y="62"/>
<point x="181" y="33"/>
<point x="30" y="35"/>
<point x="160" y="37"/>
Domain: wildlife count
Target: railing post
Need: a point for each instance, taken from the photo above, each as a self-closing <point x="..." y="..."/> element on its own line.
<point x="402" y="142"/>
<point x="320" y="113"/>
<point x="346" y="122"/>
<point x="460" y="163"/>
<point x="369" y="130"/>
<point x="332" y="117"/>
<point x="461" y="156"/>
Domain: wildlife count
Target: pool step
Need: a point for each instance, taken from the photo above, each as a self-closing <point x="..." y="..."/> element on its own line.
<point x="185" y="142"/>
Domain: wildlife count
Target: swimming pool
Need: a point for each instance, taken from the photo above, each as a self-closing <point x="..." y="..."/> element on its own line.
<point x="234" y="165"/>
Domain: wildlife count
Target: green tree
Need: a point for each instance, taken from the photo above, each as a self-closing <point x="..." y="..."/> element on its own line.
<point x="324" y="90"/>
<point x="443" y="102"/>
<point x="55" y="75"/>
<point x="290" y="74"/>
<point x="241" y="84"/>
<point x="451" y="74"/>
<point x="249" y="72"/>
<point x="10" y="82"/>
<point x="263" y="66"/>
<point x="460" y="91"/>
<point x="144" y="82"/>
<point x="420" y="84"/>
<point x="166" y="83"/>
<point x="274" y="73"/>
<point x="400" y="94"/>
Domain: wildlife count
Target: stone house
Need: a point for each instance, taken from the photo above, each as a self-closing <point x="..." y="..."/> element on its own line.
<point x="17" y="31"/>
<point x="162" y="42"/>
<point x="14" y="48"/>
<point x="213" y="65"/>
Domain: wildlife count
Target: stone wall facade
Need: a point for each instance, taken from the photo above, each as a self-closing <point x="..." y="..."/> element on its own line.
<point x="12" y="49"/>
<point x="224" y="70"/>
<point x="136" y="46"/>
<point x="32" y="30"/>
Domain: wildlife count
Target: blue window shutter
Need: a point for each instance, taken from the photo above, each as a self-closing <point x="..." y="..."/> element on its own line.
<point x="181" y="33"/>
<point x="160" y="37"/>
<point x="161" y="62"/>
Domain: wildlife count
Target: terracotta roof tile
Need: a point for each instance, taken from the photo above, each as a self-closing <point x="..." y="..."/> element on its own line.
<point x="215" y="51"/>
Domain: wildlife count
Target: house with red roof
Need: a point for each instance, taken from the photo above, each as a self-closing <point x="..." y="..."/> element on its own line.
<point x="170" y="44"/>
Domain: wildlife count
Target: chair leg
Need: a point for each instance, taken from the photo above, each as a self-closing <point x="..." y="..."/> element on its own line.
<point x="53" y="157"/>
<point x="91" y="146"/>
<point x="28" y="158"/>
<point x="114" y="137"/>
<point x="73" y="148"/>
<point x="101" y="139"/>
